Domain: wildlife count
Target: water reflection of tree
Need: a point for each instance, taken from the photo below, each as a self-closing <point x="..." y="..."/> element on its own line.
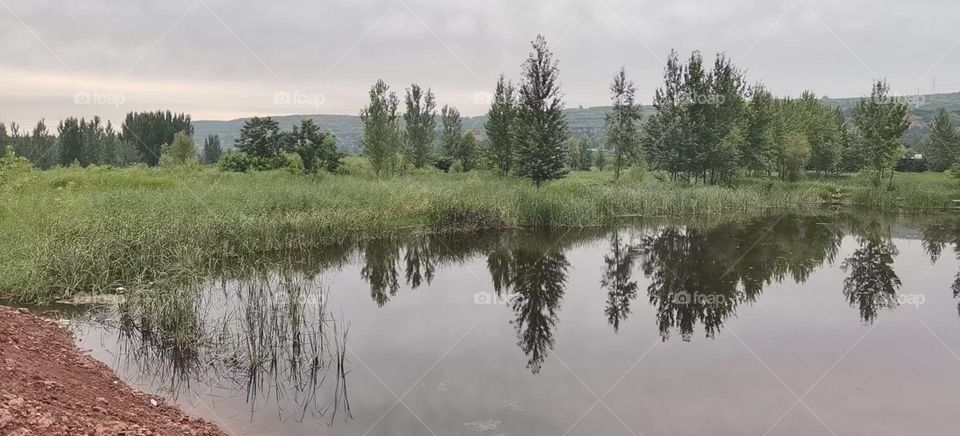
<point x="871" y="283"/>
<point x="701" y="274"/>
<point x="385" y="259"/>
<point x="531" y="274"/>
<point x="617" y="272"/>
<point x="936" y="236"/>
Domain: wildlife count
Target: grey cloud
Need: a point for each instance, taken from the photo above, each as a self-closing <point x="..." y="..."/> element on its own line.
<point x="238" y="52"/>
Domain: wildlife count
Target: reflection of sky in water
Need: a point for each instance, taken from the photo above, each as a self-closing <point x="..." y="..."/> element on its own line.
<point x="460" y="368"/>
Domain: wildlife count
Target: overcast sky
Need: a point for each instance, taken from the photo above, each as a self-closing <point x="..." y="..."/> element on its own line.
<point x="218" y="59"/>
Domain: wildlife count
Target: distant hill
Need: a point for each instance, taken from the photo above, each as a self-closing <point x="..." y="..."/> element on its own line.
<point x="587" y="122"/>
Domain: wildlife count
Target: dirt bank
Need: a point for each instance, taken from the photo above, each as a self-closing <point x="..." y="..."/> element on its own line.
<point x="47" y="386"/>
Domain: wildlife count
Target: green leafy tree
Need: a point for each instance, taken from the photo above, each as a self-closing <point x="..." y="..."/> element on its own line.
<point x="796" y="156"/>
<point x="851" y="153"/>
<point x="817" y="122"/>
<point x="943" y="143"/>
<point x="381" y="133"/>
<point x="725" y="110"/>
<point x="317" y="149"/>
<point x="261" y="137"/>
<point x="579" y="155"/>
<point x="452" y="131"/>
<point x="467" y="152"/>
<point x="500" y="126"/>
<point x="757" y="152"/>
<point x="666" y="131"/>
<point x="421" y="124"/>
<point x="70" y="134"/>
<point x="601" y="160"/>
<point x="212" y="149"/>
<point x="727" y="155"/>
<point x="149" y="131"/>
<point x="182" y="150"/>
<point x="542" y="127"/>
<point x="623" y="133"/>
<point x="881" y="121"/>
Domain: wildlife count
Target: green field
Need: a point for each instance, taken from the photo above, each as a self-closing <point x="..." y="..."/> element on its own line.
<point x="69" y="230"/>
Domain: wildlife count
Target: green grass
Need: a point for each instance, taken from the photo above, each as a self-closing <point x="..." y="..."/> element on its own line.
<point x="69" y="230"/>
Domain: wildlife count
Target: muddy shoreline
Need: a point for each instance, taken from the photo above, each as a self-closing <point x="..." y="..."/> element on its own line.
<point x="49" y="386"/>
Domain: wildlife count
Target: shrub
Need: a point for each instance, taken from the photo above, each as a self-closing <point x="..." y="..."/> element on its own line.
<point x="240" y="162"/>
<point x="294" y="163"/>
<point x="13" y="169"/>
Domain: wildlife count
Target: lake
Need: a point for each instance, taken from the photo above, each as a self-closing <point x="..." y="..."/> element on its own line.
<point x="832" y="323"/>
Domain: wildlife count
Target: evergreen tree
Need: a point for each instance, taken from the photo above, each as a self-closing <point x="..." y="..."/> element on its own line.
<point x="43" y="147"/>
<point x="421" y="124"/>
<point x="452" y="131"/>
<point x="71" y="141"/>
<point x="380" y="127"/>
<point x="149" y="131"/>
<point x="881" y="121"/>
<point x="542" y="127"/>
<point x="212" y="149"/>
<point x="623" y="135"/>
<point x="943" y="143"/>
<point x="501" y="120"/>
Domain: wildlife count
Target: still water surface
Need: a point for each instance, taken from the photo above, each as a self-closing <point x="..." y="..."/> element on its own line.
<point x="786" y="325"/>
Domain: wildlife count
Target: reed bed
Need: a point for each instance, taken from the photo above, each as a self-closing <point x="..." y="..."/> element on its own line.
<point x="72" y="230"/>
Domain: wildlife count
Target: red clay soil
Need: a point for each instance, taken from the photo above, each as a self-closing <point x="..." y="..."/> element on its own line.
<point x="48" y="387"/>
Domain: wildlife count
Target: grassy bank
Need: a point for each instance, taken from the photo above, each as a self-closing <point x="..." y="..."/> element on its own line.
<point x="69" y="230"/>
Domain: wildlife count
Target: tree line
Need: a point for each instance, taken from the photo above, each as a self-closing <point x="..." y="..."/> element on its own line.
<point x="143" y="137"/>
<point x="709" y="125"/>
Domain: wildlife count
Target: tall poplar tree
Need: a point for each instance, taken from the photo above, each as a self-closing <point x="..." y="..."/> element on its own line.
<point x="666" y="131"/>
<point x="421" y="124"/>
<point x="501" y="120"/>
<point x="881" y="121"/>
<point x="380" y="127"/>
<point x="623" y="134"/>
<point x="542" y="127"/>
<point x="452" y="132"/>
